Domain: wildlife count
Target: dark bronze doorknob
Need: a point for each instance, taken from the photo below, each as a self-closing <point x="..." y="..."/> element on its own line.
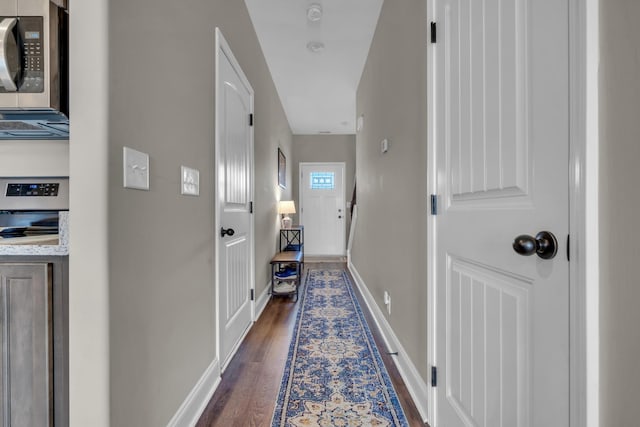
<point x="544" y="244"/>
<point x="228" y="232"/>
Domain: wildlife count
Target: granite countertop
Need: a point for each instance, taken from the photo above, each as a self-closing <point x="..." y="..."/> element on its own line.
<point x="61" y="249"/>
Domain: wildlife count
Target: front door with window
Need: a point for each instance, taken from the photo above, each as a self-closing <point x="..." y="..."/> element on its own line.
<point x="322" y="208"/>
<point x="501" y="132"/>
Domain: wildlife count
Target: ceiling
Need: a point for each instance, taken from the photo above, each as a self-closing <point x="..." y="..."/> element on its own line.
<point x="317" y="90"/>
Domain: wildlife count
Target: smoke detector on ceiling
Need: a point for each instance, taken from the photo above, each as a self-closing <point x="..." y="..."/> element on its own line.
<point x="315" y="47"/>
<point x="314" y="12"/>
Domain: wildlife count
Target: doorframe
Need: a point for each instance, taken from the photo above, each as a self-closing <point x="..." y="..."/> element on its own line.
<point x="343" y="165"/>
<point x="584" y="271"/>
<point x="583" y="147"/>
<point x="221" y="45"/>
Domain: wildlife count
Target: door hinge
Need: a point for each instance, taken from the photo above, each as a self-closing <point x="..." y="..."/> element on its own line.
<point x="434" y="376"/>
<point x="252" y="295"/>
<point x="251" y="119"/>
<point x="250" y="207"/>
<point x="434" y="204"/>
<point x="433" y="32"/>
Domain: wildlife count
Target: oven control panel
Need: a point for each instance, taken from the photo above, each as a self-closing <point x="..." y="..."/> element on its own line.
<point x="49" y="189"/>
<point x="34" y="193"/>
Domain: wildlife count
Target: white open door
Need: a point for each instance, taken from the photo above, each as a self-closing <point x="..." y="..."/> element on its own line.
<point x="322" y="208"/>
<point x="234" y="177"/>
<point x="501" y="134"/>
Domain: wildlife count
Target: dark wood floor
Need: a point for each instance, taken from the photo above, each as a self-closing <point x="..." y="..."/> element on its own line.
<point x="249" y="388"/>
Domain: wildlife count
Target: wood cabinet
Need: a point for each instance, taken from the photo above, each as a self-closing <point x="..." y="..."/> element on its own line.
<point x="26" y="337"/>
<point x="34" y="340"/>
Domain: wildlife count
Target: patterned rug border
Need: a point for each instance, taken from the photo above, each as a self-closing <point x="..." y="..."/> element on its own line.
<point x="283" y="393"/>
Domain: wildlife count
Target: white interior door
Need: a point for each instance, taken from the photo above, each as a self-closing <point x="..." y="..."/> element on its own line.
<point x="322" y="208"/>
<point x="502" y="142"/>
<point x="234" y="104"/>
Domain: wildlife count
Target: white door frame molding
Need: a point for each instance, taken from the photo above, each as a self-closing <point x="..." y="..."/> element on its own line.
<point x="220" y="46"/>
<point x="584" y="39"/>
<point x="583" y="211"/>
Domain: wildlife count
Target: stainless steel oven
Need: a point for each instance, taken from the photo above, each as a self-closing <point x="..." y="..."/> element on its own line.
<point x="30" y="210"/>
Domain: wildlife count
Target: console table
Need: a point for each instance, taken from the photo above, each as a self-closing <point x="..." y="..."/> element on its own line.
<point x="284" y="279"/>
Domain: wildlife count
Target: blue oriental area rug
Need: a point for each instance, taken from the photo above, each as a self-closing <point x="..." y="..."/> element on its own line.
<point x="334" y="374"/>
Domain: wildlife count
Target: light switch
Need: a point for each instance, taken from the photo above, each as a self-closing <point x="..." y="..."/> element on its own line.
<point x="384" y="146"/>
<point x="190" y="181"/>
<point x="136" y="169"/>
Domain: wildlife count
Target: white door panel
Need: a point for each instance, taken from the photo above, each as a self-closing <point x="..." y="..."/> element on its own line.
<point x="488" y="371"/>
<point x="235" y="304"/>
<point x="502" y="139"/>
<point x="235" y="190"/>
<point x="322" y="207"/>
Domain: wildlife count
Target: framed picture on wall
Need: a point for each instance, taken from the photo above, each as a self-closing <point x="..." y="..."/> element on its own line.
<point x="282" y="169"/>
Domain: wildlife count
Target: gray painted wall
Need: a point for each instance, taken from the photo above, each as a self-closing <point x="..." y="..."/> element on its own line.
<point x="324" y="148"/>
<point x="154" y="249"/>
<point x="619" y="207"/>
<point x="389" y="249"/>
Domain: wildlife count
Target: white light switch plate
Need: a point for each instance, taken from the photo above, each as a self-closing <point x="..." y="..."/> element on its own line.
<point x="190" y="181"/>
<point x="136" y="169"/>
<point x="384" y="146"/>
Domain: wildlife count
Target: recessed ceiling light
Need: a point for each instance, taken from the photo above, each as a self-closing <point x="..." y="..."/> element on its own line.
<point x="315" y="47"/>
<point x="314" y="13"/>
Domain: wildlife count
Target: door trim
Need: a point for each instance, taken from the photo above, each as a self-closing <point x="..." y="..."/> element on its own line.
<point x="584" y="271"/>
<point x="220" y="46"/>
<point x="583" y="214"/>
<point x="343" y="165"/>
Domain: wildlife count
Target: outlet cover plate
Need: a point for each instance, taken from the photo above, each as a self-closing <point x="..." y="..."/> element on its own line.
<point x="135" y="169"/>
<point x="190" y="181"/>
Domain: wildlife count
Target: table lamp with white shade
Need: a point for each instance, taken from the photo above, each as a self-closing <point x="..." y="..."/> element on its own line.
<point x="286" y="207"/>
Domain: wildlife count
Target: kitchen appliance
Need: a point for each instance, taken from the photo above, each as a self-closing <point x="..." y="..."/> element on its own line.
<point x="34" y="297"/>
<point x="25" y="124"/>
<point x="33" y="54"/>
<point x="30" y="210"/>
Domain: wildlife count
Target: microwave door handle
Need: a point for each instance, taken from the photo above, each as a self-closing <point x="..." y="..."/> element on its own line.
<point x="6" y="37"/>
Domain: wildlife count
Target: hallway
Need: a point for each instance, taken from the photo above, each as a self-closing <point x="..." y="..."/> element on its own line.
<point x="248" y="391"/>
<point x="143" y="304"/>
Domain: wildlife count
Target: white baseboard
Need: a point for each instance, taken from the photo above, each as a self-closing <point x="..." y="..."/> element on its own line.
<point x="261" y="302"/>
<point x="194" y="405"/>
<point x="412" y="378"/>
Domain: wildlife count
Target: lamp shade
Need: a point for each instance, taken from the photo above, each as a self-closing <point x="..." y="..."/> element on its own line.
<point x="286" y="207"/>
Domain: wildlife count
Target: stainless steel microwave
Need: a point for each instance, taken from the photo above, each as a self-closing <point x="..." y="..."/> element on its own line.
<point x="33" y="54"/>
